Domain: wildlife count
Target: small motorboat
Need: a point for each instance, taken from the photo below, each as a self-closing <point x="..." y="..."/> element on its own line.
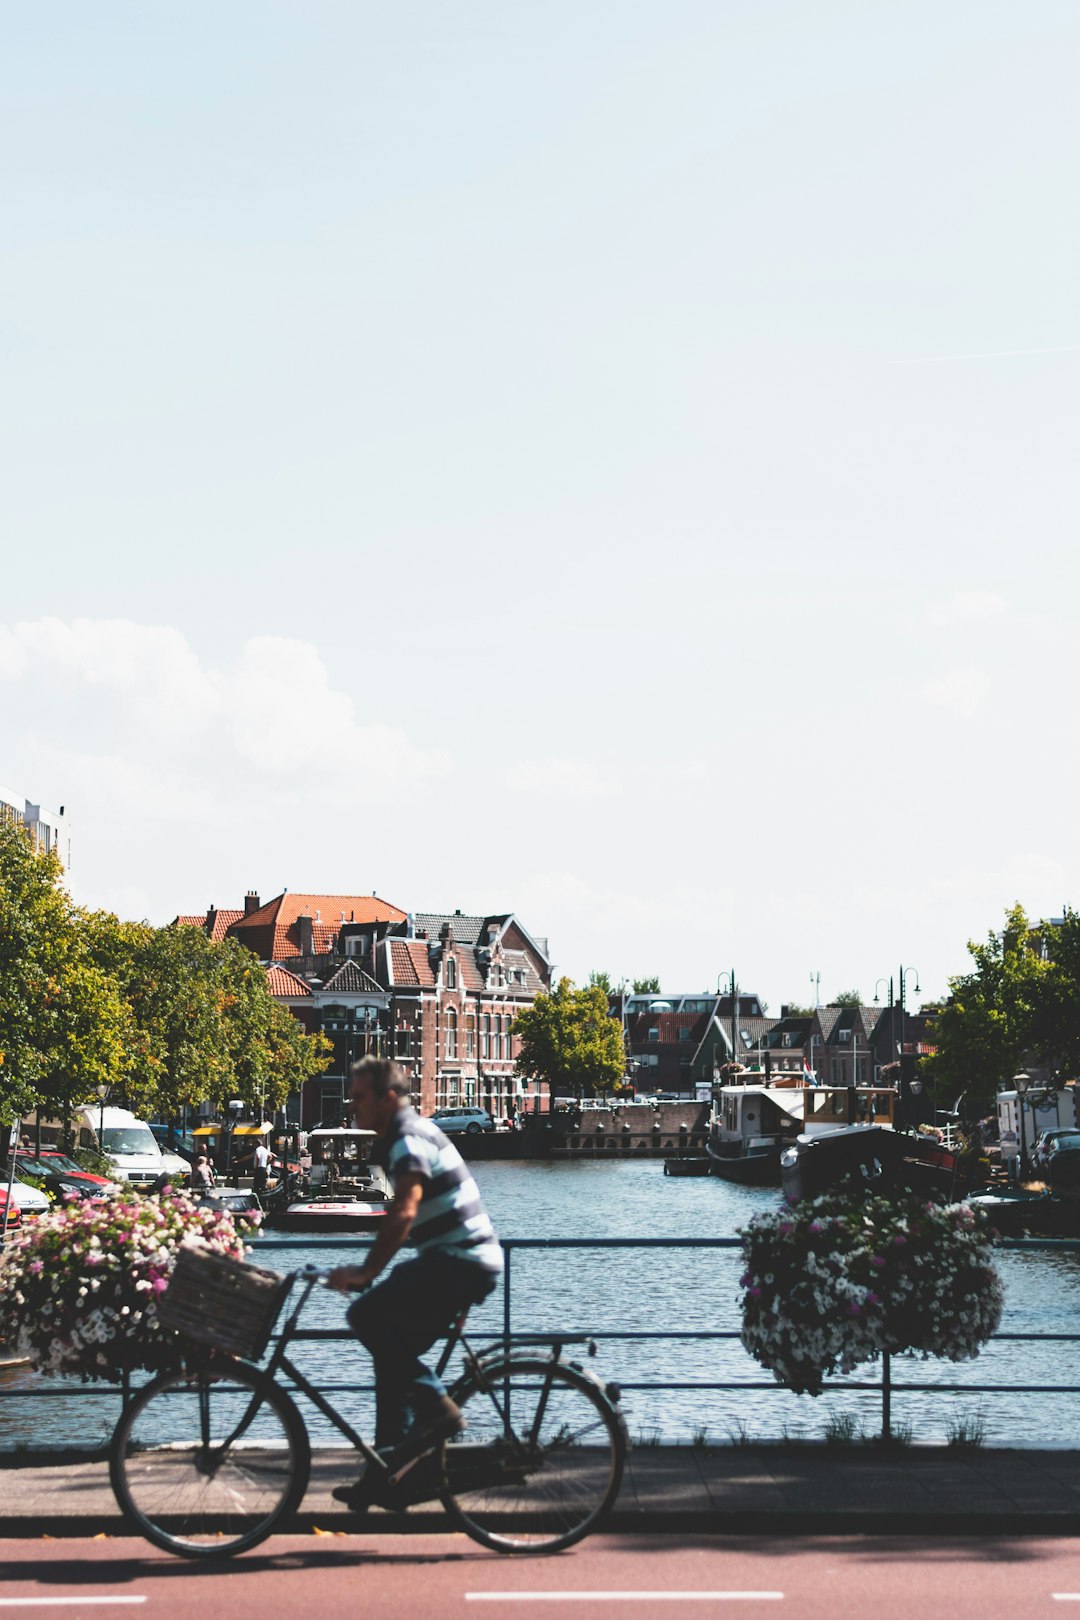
<point x="331" y="1215"/>
<point x="345" y="1190"/>
<point x="688" y="1164"/>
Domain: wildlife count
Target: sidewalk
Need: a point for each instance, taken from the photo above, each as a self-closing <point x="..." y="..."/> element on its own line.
<point x="733" y="1489"/>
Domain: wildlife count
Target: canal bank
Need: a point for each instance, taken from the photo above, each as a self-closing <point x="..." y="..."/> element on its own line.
<point x="750" y="1490"/>
<point x="623" y="1130"/>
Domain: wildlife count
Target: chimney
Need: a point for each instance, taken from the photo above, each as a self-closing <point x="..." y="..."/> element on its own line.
<point x="303" y="925"/>
<point x="251" y="902"/>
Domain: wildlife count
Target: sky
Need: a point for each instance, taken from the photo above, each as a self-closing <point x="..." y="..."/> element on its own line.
<point x="609" y="461"/>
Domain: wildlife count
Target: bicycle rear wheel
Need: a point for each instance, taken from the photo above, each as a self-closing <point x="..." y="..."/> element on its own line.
<point x="541" y="1461"/>
<point x="208" y="1463"/>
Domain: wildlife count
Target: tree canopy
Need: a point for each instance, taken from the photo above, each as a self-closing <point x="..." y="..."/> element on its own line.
<point x="569" y="1041"/>
<point x="1020" y="1002"/>
<point x="162" y="1016"/>
<point x="646" y="987"/>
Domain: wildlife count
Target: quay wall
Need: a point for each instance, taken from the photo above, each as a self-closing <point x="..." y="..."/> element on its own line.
<point x="626" y="1130"/>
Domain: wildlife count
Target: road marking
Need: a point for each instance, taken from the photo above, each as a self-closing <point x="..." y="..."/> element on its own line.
<point x="58" y="1602"/>
<point x="622" y="1597"/>
<point x="1066" y="1597"/>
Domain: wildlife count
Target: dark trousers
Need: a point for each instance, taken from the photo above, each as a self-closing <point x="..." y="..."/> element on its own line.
<point x="400" y="1318"/>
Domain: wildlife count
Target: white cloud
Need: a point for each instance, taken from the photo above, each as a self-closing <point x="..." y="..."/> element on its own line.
<point x="561" y="778"/>
<point x="959" y="692"/>
<point x="965" y="607"/>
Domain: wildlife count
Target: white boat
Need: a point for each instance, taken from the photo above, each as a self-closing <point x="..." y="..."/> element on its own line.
<point x="346" y="1191"/>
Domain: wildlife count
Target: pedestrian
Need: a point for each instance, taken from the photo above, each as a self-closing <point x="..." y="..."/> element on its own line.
<point x="261" y="1172"/>
<point x="436" y="1202"/>
<point x="202" y="1177"/>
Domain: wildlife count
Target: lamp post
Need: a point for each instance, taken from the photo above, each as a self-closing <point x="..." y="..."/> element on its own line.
<point x="732" y="990"/>
<point x="1021" y="1082"/>
<point x="102" y="1093"/>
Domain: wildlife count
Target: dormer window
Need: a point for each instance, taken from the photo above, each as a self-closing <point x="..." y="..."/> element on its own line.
<point x="451" y="973"/>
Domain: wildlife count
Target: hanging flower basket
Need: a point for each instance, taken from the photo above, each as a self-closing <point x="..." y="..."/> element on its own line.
<point x="837" y="1282"/>
<point x="79" y="1287"/>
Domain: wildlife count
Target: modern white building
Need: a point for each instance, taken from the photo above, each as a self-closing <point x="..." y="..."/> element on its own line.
<point x="51" y="828"/>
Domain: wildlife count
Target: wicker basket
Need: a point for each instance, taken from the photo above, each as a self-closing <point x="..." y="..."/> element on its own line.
<point x="222" y="1302"/>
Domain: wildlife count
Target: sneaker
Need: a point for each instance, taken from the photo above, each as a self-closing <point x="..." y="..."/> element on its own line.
<point x="372" y="1489"/>
<point x="444" y="1419"/>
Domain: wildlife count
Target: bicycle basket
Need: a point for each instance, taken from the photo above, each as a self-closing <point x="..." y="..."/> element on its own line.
<point x="223" y="1302"/>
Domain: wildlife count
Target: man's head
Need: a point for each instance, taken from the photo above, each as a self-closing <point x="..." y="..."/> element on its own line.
<point x="378" y="1088"/>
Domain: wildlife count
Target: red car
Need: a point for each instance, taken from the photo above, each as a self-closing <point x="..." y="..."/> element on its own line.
<point x="55" y="1160"/>
<point x="14" y="1220"/>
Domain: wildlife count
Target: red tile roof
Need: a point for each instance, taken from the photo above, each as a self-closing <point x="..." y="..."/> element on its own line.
<point x="223" y="921"/>
<point x="274" y="932"/>
<point x="284" y="983"/>
<point x="411" y="964"/>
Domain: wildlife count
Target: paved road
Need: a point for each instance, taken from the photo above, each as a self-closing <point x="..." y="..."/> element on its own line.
<point x="443" y="1577"/>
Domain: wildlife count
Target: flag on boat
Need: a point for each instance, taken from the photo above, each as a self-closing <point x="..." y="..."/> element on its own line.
<point x="808" y="1074"/>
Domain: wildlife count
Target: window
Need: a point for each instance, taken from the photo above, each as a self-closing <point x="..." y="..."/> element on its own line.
<point x="470" y="1036"/>
<point x="654" y="1032"/>
<point x="485" y="1037"/>
<point x="451" y="1033"/>
<point x="451" y="973"/>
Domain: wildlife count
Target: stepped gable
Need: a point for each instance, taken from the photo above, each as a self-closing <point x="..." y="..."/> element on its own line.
<point x="350" y="979"/>
<point x="273" y="932"/>
<point x="286" y="984"/>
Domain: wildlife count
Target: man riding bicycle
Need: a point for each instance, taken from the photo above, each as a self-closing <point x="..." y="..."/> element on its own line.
<point x="436" y="1202"/>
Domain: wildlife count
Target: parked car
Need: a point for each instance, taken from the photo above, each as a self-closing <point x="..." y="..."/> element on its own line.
<point x="14" y="1213"/>
<point x="54" y="1160"/>
<point x="1040" y="1152"/>
<point x="471" y="1121"/>
<point x="31" y="1200"/>
<point x="61" y="1181"/>
<point x="1062" y="1161"/>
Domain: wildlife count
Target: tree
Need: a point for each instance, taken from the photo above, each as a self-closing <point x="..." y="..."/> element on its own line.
<point x="1006" y="1010"/>
<point x="568" y="1040"/>
<point x="601" y="979"/>
<point x="205" y="1026"/>
<point x="63" y="1025"/>
<point x="646" y="987"/>
<point x="847" y="998"/>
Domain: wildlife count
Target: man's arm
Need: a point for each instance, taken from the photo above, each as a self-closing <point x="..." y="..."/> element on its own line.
<point x="394" y="1229"/>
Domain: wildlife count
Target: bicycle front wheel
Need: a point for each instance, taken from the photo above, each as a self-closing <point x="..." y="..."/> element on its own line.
<point x="210" y="1462"/>
<point x="541" y="1460"/>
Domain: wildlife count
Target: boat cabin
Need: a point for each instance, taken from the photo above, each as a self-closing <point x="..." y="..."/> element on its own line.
<point x="341" y="1161"/>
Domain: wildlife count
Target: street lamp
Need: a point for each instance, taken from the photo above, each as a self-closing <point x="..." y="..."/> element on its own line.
<point x="1021" y="1083"/>
<point x="732" y="990"/>
<point x="102" y="1093"/>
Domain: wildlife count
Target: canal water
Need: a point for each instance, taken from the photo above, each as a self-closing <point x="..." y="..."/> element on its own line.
<point x="640" y="1291"/>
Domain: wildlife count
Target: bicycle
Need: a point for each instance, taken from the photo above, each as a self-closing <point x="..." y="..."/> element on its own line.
<point x="208" y="1461"/>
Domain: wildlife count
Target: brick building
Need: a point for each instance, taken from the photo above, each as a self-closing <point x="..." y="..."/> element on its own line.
<point x="438" y="992"/>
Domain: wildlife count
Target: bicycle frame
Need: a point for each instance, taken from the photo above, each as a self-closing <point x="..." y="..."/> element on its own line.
<point x="478" y="1363"/>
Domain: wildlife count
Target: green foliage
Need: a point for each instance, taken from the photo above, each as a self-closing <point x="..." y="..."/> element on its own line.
<point x="1015" y="1004"/>
<point x="569" y="1041"/>
<point x="600" y="979"/>
<point x="847" y="998"/>
<point x="646" y="987"/>
<point x="161" y="1016"/>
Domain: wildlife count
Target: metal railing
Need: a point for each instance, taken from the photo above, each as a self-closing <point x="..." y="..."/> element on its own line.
<point x="884" y="1384"/>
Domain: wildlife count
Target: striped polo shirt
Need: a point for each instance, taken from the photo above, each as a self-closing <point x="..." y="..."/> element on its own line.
<point x="451" y="1219"/>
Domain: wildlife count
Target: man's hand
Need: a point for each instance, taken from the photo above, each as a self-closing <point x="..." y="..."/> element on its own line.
<point x="349" y="1279"/>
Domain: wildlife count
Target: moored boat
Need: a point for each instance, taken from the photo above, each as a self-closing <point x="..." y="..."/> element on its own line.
<point x="687" y="1164"/>
<point x="758" y="1117"/>
<point x="344" y="1190"/>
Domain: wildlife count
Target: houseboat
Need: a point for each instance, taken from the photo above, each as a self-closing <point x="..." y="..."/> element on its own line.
<point x="759" y="1115"/>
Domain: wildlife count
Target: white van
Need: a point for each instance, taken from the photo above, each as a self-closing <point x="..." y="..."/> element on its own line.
<point x="127" y="1142"/>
